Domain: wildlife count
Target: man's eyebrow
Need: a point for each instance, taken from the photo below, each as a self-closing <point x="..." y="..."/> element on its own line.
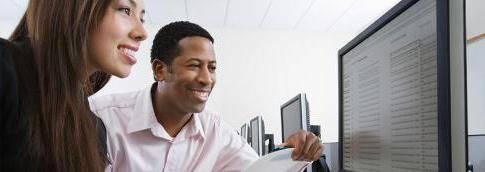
<point x="193" y="59"/>
<point x="198" y="60"/>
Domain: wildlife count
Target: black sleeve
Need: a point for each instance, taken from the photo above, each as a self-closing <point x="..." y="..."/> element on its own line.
<point x="102" y="142"/>
<point x="12" y="140"/>
<point x="8" y="86"/>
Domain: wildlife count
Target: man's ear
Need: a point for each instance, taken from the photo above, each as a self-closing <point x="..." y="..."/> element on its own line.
<point x="159" y="69"/>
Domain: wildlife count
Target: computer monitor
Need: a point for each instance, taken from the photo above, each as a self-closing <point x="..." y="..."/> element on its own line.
<point x="257" y="135"/>
<point x="295" y="116"/>
<point x="401" y="91"/>
<point x="245" y="132"/>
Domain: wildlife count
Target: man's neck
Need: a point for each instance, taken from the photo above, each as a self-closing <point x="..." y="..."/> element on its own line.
<point x="172" y="121"/>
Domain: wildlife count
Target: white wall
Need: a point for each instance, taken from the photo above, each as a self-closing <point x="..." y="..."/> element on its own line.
<point x="7" y="27"/>
<point x="475" y="67"/>
<point x="260" y="70"/>
<point x="476" y="87"/>
<point x="475" y="13"/>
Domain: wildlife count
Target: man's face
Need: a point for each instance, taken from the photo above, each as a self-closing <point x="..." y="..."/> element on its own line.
<point x="191" y="76"/>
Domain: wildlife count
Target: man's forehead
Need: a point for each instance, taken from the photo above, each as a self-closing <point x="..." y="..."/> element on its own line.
<point x="196" y="48"/>
<point x="195" y="43"/>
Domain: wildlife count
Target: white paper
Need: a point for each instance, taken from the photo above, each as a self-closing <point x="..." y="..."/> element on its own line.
<point x="278" y="161"/>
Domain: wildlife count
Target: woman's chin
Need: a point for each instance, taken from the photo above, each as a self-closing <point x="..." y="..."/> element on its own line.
<point x="122" y="73"/>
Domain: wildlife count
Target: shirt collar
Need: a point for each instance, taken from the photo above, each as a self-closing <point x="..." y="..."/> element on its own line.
<point x="193" y="129"/>
<point x="195" y="126"/>
<point x="144" y="118"/>
<point x="143" y="115"/>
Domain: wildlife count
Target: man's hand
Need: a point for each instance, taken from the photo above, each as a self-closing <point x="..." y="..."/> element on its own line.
<point x="308" y="147"/>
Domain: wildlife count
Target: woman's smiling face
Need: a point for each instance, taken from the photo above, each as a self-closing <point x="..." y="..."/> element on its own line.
<point x="113" y="45"/>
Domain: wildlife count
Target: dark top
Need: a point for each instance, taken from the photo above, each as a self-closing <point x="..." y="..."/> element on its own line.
<point x="17" y="75"/>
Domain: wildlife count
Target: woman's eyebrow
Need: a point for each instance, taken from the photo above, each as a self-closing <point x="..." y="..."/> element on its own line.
<point x="133" y="3"/>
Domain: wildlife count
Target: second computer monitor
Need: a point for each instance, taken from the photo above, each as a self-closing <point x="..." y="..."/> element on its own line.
<point x="257" y="135"/>
<point x="294" y="116"/>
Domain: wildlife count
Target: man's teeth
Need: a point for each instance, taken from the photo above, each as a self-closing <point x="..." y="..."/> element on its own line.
<point x="128" y="52"/>
<point x="201" y="93"/>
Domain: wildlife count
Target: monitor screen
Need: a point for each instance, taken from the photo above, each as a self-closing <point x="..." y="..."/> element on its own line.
<point x="244" y="132"/>
<point x="294" y="116"/>
<point x="291" y="118"/>
<point x="389" y="84"/>
<point x="402" y="91"/>
<point x="257" y="135"/>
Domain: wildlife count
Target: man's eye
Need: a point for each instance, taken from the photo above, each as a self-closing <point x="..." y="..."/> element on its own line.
<point x="212" y="68"/>
<point x="193" y="65"/>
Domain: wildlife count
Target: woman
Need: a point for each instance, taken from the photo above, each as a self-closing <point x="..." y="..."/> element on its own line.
<point x="60" y="53"/>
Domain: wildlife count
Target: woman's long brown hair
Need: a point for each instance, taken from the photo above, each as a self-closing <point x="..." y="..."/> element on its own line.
<point x="62" y="135"/>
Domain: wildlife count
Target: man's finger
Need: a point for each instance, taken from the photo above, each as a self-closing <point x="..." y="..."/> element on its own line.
<point x="309" y="154"/>
<point x="310" y="140"/>
<point x="318" y="152"/>
<point x="298" y="141"/>
<point x="282" y="144"/>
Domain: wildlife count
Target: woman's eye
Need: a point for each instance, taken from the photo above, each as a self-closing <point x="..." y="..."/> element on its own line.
<point x="126" y="10"/>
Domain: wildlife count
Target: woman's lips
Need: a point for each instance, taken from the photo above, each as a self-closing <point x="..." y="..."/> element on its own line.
<point x="129" y="52"/>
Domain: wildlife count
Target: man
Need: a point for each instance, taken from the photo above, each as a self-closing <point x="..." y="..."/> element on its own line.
<point x="165" y="127"/>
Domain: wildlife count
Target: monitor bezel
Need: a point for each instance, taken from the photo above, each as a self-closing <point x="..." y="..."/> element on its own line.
<point x="443" y="72"/>
<point x="303" y="104"/>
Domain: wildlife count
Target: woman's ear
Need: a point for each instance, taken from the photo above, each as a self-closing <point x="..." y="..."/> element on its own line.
<point x="159" y="69"/>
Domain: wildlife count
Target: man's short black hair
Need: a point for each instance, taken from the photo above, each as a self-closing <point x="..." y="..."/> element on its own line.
<point x="165" y="45"/>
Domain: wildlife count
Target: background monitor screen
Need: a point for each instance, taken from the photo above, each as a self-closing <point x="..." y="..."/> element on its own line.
<point x="389" y="95"/>
<point x="294" y="116"/>
<point x="291" y="118"/>
<point x="257" y="135"/>
<point x="244" y="132"/>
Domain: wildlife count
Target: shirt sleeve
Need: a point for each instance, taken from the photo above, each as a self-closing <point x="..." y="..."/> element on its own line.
<point x="236" y="155"/>
<point x="8" y="89"/>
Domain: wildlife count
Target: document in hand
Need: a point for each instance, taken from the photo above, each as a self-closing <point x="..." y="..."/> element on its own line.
<point x="278" y="161"/>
